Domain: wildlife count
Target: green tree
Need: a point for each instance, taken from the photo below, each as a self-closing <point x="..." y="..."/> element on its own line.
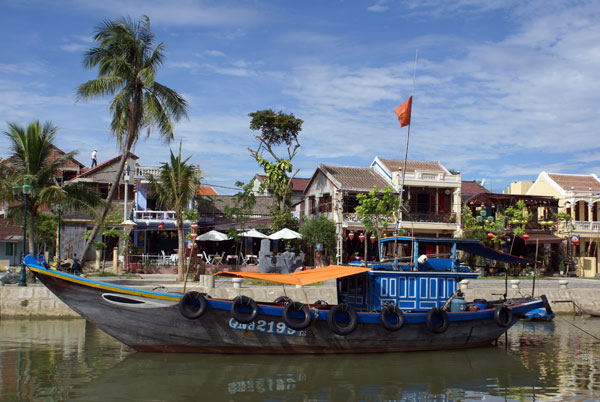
<point x="243" y="206"/>
<point x="176" y="185"/>
<point x="320" y="230"/>
<point x="31" y="161"/>
<point x="127" y="64"/>
<point x="277" y="129"/>
<point x="375" y="211"/>
<point x="473" y="228"/>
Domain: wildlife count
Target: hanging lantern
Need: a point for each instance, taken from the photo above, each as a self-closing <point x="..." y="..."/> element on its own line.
<point x="194" y="226"/>
<point x="351" y="235"/>
<point x="361" y="237"/>
<point x="193" y="235"/>
<point x="490" y="236"/>
<point x="161" y="226"/>
<point x="575" y="240"/>
<point x="493" y="206"/>
<point x="525" y="236"/>
<point x="372" y="239"/>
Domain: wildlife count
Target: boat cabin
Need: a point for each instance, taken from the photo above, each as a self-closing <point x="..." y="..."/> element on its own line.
<point x="417" y="275"/>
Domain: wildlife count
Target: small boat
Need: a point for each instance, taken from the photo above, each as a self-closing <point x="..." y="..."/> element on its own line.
<point x="539" y="314"/>
<point x="377" y="310"/>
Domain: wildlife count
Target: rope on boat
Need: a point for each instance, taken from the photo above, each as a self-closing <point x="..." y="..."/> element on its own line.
<point x="582" y="330"/>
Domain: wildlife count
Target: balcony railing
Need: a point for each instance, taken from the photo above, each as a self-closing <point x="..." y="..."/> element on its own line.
<point x="154" y="216"/>
<point x="414" y="217"/>
<point x="142" y="172"/>
<point x="586" y="227"/>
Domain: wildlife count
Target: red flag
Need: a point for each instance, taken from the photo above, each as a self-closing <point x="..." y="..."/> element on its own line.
<point x="403" y="112"/>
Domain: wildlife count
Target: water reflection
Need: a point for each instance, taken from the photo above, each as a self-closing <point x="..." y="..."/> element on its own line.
<point x="72" y="360"/>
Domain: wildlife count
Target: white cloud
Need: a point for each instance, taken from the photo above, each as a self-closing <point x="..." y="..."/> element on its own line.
<point x="379" y="6"/>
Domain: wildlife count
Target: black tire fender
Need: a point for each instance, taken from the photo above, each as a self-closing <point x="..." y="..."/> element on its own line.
<point x="503" y="315"/>
<point x="297" y="323"/>
<point x="391" y="310"/>
<point x="546" y="304"/>
<point x="441" y="315"/>
<point x="240" y="316"/>
<point x="193" y="305"/>
<point x="282" y="299"/>
<point x="334" y="324"/>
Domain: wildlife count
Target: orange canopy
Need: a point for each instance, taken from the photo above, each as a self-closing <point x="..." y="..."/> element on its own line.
<point x="302" y="277"/>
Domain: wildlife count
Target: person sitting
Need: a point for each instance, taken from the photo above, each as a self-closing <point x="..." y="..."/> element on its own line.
<point x="76" y="266"/>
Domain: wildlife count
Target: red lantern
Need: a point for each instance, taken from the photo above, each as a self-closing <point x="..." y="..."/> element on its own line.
<point x="194" y="226"/>
<point x="490" y="236"/>
<point x="161" y="226"/>
<point x="525" y="236"/>
<point x="351" y="235"/>
<point x="372" y="239"/>
<point x="193" y="235"/>
<point x="361" y="237"/>
<point x="575" y="240"/>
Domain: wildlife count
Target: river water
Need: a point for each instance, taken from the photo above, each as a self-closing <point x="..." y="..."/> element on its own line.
<point x="52" y="360"/>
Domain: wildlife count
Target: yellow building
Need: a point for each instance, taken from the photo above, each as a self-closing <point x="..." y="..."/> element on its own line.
<point x="579" y="196"/>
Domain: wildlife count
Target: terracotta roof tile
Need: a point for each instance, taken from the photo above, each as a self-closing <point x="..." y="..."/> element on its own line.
<point x="206" y="190"/>
<point x="578" y="182"/>
<point x="356" y="178"/>
<point x="298" y="184"/>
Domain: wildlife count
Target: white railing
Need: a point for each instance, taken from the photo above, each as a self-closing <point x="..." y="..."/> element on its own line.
<point x="142" y="172"/>
<point x="424" y="176"/>
<point x="154" y="216"/>
<point x="586" y="226"/>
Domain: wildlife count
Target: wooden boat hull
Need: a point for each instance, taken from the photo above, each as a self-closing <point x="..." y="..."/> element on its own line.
<point x="151" y="321"/>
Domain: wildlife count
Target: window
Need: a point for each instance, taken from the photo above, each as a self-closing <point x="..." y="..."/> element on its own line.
<point x="325" y="203"/>
<point x="312" y="203"/>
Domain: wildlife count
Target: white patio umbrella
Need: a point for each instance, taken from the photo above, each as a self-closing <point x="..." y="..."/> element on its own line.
<point x="213" y="235"/>
<point x="254" y="233"/>
<point x="286" y="234"/>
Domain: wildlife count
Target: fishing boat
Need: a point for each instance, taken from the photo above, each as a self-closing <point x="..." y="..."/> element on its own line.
<point x="378" y="310"/>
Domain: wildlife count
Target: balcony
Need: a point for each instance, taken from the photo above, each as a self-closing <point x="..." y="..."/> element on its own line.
<point x="586" y="227"/>
<point x="435" y="221"/>
<point x="142" y="172"/>
<point x="154" y="216"/>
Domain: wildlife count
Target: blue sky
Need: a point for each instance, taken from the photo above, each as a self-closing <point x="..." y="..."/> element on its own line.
<point x="504" y="89"/>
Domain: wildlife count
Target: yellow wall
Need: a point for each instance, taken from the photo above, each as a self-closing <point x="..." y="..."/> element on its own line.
<point x="519" y="187"/>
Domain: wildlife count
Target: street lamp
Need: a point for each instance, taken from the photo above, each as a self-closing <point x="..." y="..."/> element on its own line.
<point x="481" y="218"/>
<point x="22" y="193"/>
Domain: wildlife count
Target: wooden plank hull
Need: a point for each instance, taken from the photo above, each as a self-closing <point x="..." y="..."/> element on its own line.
<point x="151" y="321"/>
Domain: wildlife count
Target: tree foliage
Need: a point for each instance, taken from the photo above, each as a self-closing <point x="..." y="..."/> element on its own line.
<point x="473" y="228"/>
<point x="243" y="206"/>
<point x="277" y="129"/>
<point x="176" y="185"/>
<point x="127" y="63"/>
<point x="320" y="230"/>
<point x="32" y="160"/>
<point x="376" y="210"/>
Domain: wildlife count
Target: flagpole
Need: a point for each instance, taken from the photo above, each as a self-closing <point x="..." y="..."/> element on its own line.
<point x="406" y="153"/>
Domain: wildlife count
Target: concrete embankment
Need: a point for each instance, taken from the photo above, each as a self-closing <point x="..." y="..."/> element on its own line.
<point x="36" y="300"/>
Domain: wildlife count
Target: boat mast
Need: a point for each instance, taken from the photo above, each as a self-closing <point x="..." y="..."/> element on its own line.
<point x="399" y="219"/>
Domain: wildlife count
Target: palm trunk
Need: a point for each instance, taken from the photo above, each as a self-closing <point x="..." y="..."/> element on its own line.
<point x="30" y="231"/>
<point x="181" y="250"/>
<point x="129" y="140"/>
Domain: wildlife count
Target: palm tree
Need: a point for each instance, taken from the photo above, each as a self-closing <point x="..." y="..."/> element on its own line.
<point x="31" y="161"/>
<point x="127" y="66"/>
<point x="176" y="186"/>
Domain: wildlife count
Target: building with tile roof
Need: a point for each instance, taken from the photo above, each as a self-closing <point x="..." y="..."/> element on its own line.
<point x="579" y="196"/>
<point x="430" y="192"/>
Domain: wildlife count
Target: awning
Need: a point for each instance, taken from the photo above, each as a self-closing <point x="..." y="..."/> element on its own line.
<point x="543" y="238"/>
<point x="302" y="277"/>
<point x="491" y="254"/>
